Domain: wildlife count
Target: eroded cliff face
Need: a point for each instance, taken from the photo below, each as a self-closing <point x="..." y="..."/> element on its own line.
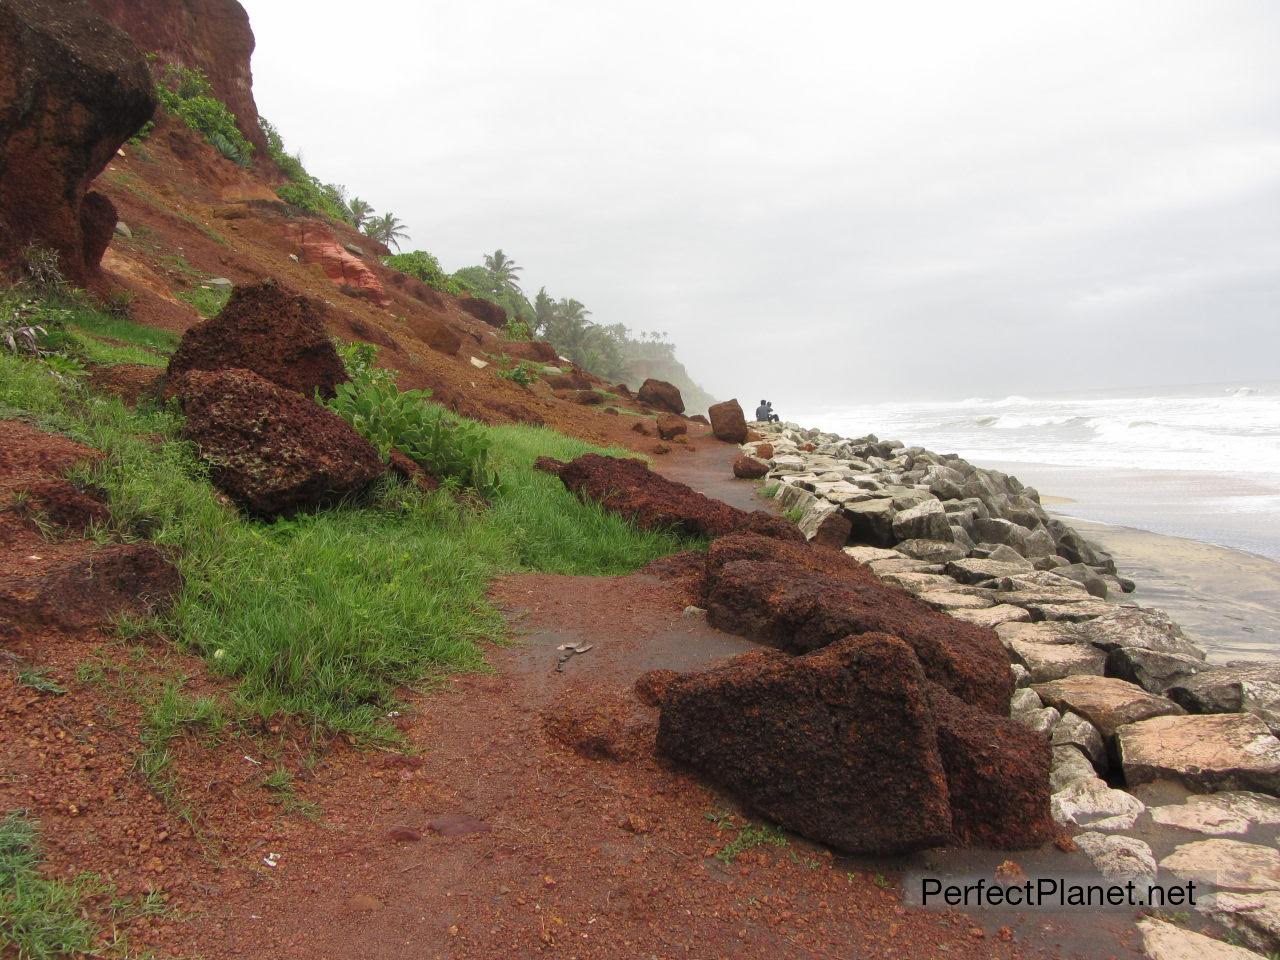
<point x="213" y="35"/>
<point x="73" y="88"/>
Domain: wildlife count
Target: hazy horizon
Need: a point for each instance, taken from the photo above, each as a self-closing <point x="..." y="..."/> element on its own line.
<point x="830" y="202"/>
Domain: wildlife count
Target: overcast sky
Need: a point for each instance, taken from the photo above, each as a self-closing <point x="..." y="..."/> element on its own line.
<point x="829" y="201"/>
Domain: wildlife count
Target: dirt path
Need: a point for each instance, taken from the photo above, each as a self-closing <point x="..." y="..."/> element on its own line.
<point x="495" y="840"/>
<point x="707" y="466"/>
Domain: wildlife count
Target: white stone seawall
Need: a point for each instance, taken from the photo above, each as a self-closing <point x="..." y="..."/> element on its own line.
<point x="1124" y="697"/>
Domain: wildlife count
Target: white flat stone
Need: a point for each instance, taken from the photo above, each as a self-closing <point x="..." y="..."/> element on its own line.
<point x="1220" y="813"/>
<point x="949" y="600"/>
<point x="1054" y="661"/>
<point x="993" y="616"/>
<point x="1229" y="864"/>
<point x="867" y="554"/>
<point x="1164" y="941"/>
<point x="1227" y="751"/>
<point x="1105" y="702"/>
<point x="1118" y="857"/>
<point x="1091" y="803"/>
<point x="1255" y="917"/>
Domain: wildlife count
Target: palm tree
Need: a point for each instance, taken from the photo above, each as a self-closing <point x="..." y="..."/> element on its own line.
<point x="361" y="211"/>
<point x="387" y="229"/>
<point x="502" y="272"/>
<point x="544" y="312"/>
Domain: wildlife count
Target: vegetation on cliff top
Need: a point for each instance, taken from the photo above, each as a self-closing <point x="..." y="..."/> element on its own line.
<point x="186" y="93"/>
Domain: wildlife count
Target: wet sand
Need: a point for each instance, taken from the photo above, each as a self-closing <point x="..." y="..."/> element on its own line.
<point x="1226" y="600"/>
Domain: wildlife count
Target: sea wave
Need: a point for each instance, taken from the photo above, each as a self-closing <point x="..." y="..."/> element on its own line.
<point x="1232" y="428"/>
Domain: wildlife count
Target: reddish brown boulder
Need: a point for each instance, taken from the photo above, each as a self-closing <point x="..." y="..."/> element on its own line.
<point x="436" y="334"/>
<point x="573" y="380"/>
<point x="997" y="775"/>
<point x="699" y="418"/>
<point x="630" y="488"/>
<point x="839" y="745"/>
<point x="77" y="592"/>
<point x="728" y="423"/>
<point x="272" y="450"/>
<point x="484" y="310"/>
<point x="749" y="468"/>
<point x="794" y="597"/>
<point x="832" y="531"/>
<point x="670" y="426"/>
<point x="640" y="428"/>
<point x="661" y="448"/>
<point x="73" y="88"/>
<point x="537" y="350"/>
<point x="270" y="331"/>
<point x="767" y="525"/>
<point x="662" y="395"/>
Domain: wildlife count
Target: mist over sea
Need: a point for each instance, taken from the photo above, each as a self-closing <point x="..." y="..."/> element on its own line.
<point x="1201" y="462"/>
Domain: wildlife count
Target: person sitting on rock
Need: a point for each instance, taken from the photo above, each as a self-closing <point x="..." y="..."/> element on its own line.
<point x="762" y="411"/>
<point x="769" y="415"/>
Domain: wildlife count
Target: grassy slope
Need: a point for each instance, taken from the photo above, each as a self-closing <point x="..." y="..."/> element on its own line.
<point x="323" y="616"/>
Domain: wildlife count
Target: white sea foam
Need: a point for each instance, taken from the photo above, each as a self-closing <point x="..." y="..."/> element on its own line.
<point x="1225" y="429"/>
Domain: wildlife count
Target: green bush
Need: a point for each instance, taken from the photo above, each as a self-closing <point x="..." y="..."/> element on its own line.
<point x="303" y="190"/>
<point x="523" y="373"/>
<point x="450" y="448"/>
<point x="186" y="93"/>
<point x="425" y="267"/>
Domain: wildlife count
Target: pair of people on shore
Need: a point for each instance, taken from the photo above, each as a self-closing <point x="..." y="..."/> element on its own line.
<point x="764" y="412"/>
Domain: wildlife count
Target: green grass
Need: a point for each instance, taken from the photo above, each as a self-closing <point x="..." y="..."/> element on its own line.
<point x="39" y="918"/>
<point x="207" y="301"/>
<point x="85" y="332"/>
<point x="40" y="680"/>
<point x="326" y="616"/>
<point x="749" y="836"/>
<point x="168" y="717"/>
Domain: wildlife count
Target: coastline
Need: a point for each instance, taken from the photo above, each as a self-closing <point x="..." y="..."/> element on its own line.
<point x="1215" y="572"/>
<point x="1223" y="598"/>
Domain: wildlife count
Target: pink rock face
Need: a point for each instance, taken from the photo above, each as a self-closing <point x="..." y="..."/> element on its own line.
<point x="341" y="266"/>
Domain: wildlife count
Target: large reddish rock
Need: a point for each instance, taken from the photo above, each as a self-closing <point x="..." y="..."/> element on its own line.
<point x="210" y="35"/>
<point x="539" y="351"/>
<point x="671" y="426"/>
<point x="436" y="334"/>
<point x="839" y="745"/>
<point x="271" y="331"/>
<point x="73" y="88"/>
<point x="317" y="244"/>
<point x="749" y="468"/>
<point x="997" y="776"/>
<point x="651" y="501"/>
<point x="484" y="310"/>
<point x="727" y="422"/>
<point x="798" y="598"/>
<point x="662" y="395"/>
<point x="269" y="449"/>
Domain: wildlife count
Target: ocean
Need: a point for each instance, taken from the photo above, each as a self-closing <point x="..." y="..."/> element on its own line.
<point x="1199" y="462"/>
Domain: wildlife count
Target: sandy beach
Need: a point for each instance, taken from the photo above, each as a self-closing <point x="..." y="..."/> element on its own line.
<point x="1205" y="559"/>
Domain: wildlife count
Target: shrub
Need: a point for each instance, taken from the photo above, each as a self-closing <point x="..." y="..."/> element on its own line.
<point x="425" y="267"/>
<point x="303" y="190"/>
<point x="523" y="373"/>
<point x="450" y="448"/>
<point x="517" y="329"/>
<point x="186" y="93"/>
